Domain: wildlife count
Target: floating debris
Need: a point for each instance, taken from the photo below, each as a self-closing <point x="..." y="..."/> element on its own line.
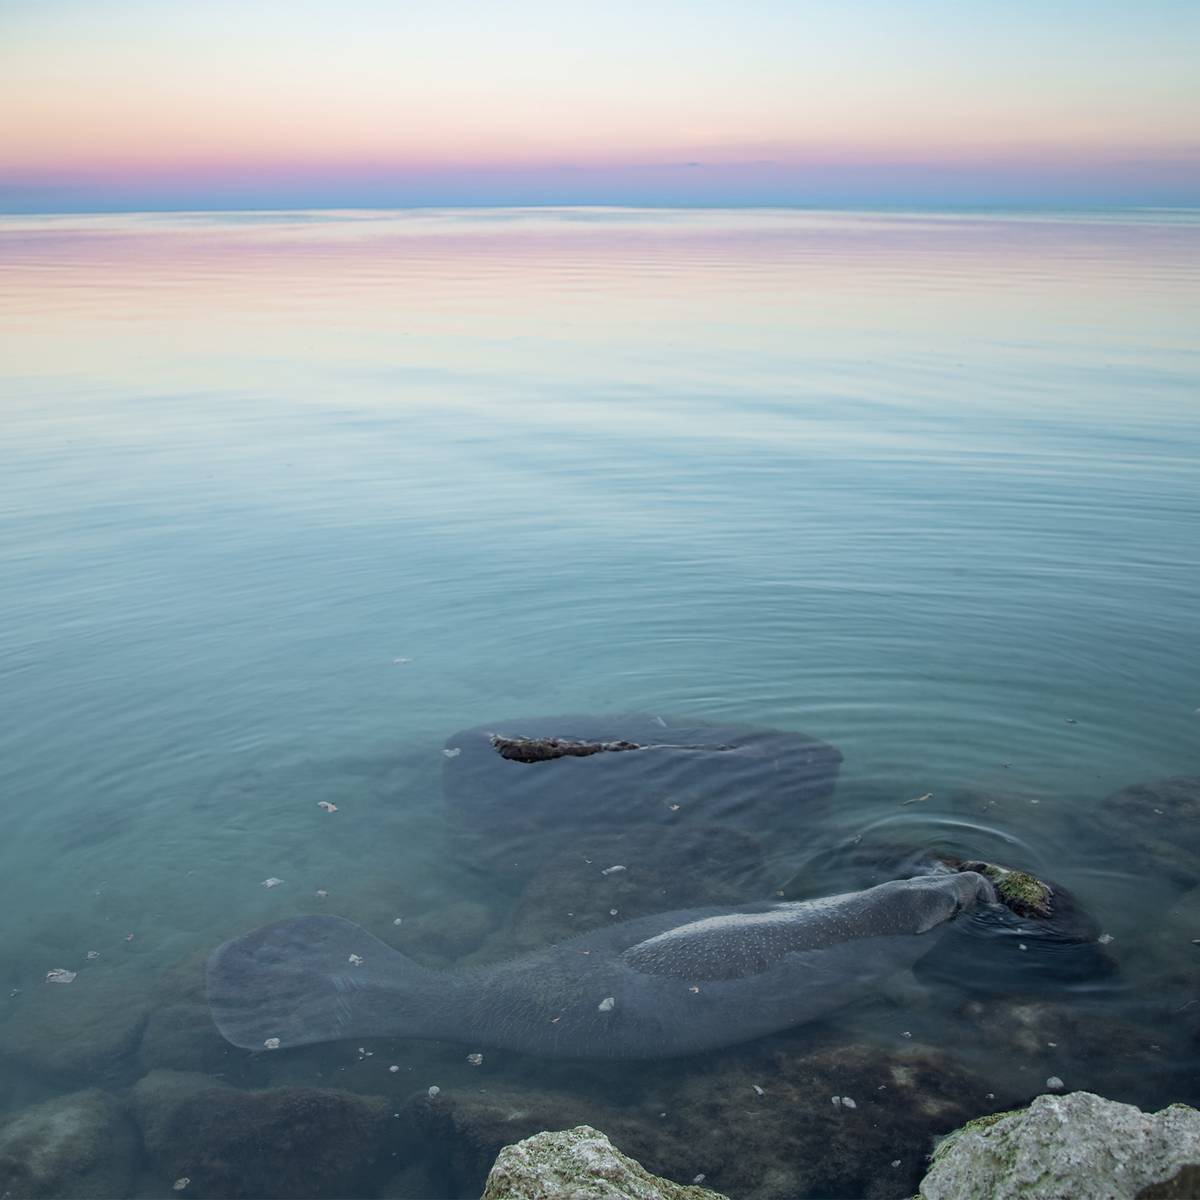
<point x="895" y="1162"/>
<point x="1105" y="938"/>
<point x="129" y="936"/>
<point x="848" y="1103"/>
<point x="434" y="1091"/>
<point x="663" y="723"/>
<point x="397" y="920"/>
<point x="694" y="990"/>
<point x="326" y="806"/>
<point x="180" y="1183"/>
<point x="555" y="1020"/>
<point x="399" y="662"/>
<point x="271" y="1043"/>
<point x="757" y="1090"/>
<point x="918" y="799"/>
<point x="60" y="975"/>
<point x="697" y="1180"/>
<point x="476" y="1060"/>
<point x="673" y="807"/>
<point x="906" y="1033"/>
<point x="393" y="1068"/>
<point x="607" y="1004"/>
<point x="267" y="883"/>
<point x="612" y="912"/>
<point x="990" y="1096"/>
<point x="1054" y="1083"/>
<point x="92" y="955"/>
<point x="321" y="893"/>
<point x="452" y="751"/>
<point x="1022" y="946"/>
<point x="836" y="1101"/>
<point x="1072" y="721"/>
<point x="356" y="960"/>
<point x="612" y="870"/>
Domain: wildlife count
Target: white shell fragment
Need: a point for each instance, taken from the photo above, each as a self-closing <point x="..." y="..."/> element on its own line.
<point x="1105" y="938"/>
<point x="397" y="920"/>
<point x="757" y="1090"/>
<point x="1054" y="1083"/>
<point x="434" y="1091"/>
<point x="476" y="1060"/>
<point x="180" y="1183"/>
<point x="699" y="1179"/>
<point x="321" y="893"/>
<point x="612" y="870"/>
<point x="92" y="955"/>
<point x="607" y="1004"/>
<point x="452" y="752"/>
<point x="612" y="912"/>
<point x="272" y="882"/>
<point x="326" y="806"/>
<point x="393" y="1068"/>
<point x="356" y="960"/>
<point x="848" y="1103"/>
<point x="60" y="975"/>
<point x="272" y="1043"/>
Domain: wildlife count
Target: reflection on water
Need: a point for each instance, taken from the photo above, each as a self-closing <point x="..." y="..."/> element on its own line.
<point x="286" y="500"/>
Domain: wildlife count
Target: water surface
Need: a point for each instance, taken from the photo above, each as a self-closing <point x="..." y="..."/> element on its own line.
<point x="286" y="499"/>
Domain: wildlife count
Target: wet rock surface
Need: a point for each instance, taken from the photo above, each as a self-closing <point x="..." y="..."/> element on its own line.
<point x="583" y="1164"/>
<point x="281" y="1142"/>
<point x="76" y="1147"/>
<point x="1074" y="1145"/>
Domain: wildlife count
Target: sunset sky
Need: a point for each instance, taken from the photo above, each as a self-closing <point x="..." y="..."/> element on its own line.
<point x="174" y="104"/>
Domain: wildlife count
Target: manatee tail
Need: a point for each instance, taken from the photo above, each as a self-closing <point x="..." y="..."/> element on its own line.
<point x="318" y="979"/>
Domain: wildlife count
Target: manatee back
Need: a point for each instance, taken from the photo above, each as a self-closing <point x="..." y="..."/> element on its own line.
<point x="742" y="944"/>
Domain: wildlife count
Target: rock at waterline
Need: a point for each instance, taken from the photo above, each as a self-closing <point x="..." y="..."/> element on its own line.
<point x="280" y="1143"/>
<point x="82" y="1146"/>
<point x="583" y="1164"/>
<point x="666" y="772"/>
<point x="1074" y="1145"/>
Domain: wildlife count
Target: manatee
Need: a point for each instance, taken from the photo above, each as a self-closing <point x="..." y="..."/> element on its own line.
<point x="594" y="770"/>
<point x="663" y="985"/>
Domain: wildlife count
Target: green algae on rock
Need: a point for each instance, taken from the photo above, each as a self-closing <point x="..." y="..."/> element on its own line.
<point x="1022" y="893"/>
<point x="583" y="1164"/>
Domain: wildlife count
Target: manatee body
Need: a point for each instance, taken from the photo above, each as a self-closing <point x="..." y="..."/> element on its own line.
<point x="669" y="984"/>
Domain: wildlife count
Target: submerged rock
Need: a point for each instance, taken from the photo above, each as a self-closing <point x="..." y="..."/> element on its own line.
<point x="278" y="1143"/>
<point x="1067" y="1146"/>
<point x="664" y="869"/>
<point x="76" y="1147"/>
<point x="519" y="785"/>
<point x="1155" y="828"/>
<point x="580" y="1163"/>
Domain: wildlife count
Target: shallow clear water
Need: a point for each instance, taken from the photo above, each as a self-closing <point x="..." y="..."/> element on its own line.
<point x="288" y="499"/>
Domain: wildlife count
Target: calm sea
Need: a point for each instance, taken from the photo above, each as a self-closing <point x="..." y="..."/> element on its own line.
<point x="286" y="499"/>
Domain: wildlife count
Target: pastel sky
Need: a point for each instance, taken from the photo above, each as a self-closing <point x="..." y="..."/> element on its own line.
<point x="193" y="104"/>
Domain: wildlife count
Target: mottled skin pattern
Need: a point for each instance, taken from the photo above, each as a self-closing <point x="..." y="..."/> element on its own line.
<point x="679" y="982"/>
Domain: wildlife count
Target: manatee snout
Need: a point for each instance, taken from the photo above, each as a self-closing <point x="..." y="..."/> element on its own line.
<point x="936" y="899"/>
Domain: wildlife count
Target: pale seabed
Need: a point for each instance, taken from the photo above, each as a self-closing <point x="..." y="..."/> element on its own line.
<point x="286" y="499"/>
